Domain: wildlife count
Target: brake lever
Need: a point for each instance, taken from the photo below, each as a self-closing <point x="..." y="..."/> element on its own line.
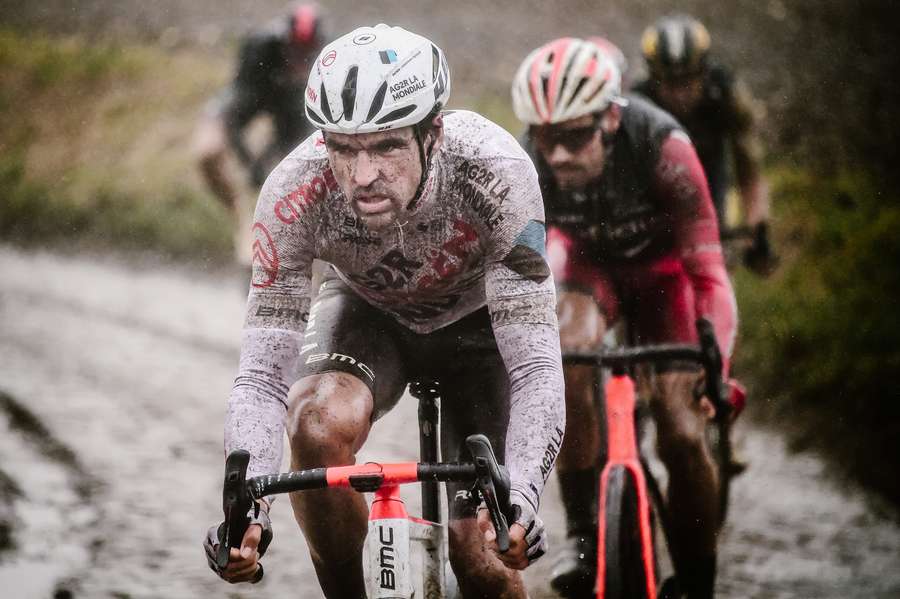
<point x="712" y="365"/>
<point x="235" y="504"/>
<point x="492" y="482"/>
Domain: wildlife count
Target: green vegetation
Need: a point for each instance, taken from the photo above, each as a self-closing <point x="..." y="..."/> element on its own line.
<point x="94" y="146"/>
<point x="820" y="338"/>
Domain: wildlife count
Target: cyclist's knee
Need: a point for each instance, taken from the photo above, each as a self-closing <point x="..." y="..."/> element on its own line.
<point x="680" y="437"/>
<point x="329" y="416"/>
<point x="580" y="382"/>
<point x="680" y="422"/>
<point x="581" y="323"/>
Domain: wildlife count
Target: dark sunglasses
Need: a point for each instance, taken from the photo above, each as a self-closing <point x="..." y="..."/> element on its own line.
<point x="547" y="137"/>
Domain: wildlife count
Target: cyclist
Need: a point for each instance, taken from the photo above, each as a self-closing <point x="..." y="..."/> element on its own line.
<point x="270" y="79"/>
<point x="718" y="113"/>
<point x="434" y="225"/>
<point x="632" y="233"/>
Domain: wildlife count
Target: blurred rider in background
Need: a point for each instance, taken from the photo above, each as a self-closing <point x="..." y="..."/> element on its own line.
<point x="718" y="113"/>
<point x="270" y="79"/>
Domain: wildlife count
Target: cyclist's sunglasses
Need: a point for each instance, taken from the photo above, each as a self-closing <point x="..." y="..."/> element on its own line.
<point x="547" y="137"/>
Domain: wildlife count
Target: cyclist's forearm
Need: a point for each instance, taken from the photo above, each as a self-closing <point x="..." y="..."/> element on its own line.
<point x="258" y="400"/>
<point x="714" y="297"/>
<point x="755" y="200"/>
<point x="537" y="407"/>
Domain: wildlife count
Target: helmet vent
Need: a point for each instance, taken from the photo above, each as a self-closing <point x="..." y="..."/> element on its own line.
<point x="314" y="117"/>
<point x="326" y="108"/>
<point x="377" y="101"/>
<point x="348" y="94"/>
<point x="435" y="62"/>
<point x="396" y="114"/>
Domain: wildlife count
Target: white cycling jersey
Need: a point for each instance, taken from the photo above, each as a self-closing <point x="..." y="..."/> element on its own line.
<point x="475" y="238"/>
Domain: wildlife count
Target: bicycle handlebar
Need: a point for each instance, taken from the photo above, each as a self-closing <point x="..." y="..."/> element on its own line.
<point x="706" y="354"/>
<point x="238" y="492"/>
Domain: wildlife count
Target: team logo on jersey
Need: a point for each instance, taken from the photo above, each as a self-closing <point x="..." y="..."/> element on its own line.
<point x="265" y="257"/>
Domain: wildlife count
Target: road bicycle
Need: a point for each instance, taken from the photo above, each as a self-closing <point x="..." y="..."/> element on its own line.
<point x="403" y="556"/>
<point x="630" y="501"/>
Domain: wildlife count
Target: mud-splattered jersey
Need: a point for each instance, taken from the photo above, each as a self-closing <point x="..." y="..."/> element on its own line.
<point x="475" y="238"/>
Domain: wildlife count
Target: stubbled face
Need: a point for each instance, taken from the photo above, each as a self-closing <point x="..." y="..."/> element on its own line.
<point x="378" y="172"/>
<point x="680" y="96"/>
<point x="573" y="150"/>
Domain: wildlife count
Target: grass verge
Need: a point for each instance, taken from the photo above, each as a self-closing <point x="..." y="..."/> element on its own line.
<point x="820" y="338"/>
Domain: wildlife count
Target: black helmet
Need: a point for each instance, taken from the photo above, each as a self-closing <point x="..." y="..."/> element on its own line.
<point x="675" y="47"/>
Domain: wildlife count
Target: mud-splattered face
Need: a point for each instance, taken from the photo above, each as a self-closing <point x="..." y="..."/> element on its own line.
<point x="378" y="172"/>
<point x="572" y="149"/>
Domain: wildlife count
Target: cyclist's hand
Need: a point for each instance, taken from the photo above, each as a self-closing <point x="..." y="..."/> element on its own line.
<point x="527" y="539"/>
<point x="759" y="257"/>
<point x="243" y="564"/>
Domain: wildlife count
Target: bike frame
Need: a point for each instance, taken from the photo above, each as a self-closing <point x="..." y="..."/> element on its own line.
<point x="622" y="451"/>
<point x="622" y="443"/>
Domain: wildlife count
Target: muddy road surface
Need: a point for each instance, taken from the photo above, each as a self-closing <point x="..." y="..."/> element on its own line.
<point x="113" y="379"/>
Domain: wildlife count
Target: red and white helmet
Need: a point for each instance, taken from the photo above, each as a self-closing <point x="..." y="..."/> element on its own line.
<point x="563" y="80"/>
<point x="375" y="79"/>
<point x="614" y="52"/>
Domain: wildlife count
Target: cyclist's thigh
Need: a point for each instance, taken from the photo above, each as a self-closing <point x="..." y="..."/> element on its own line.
<point x="576" y="271"/>
<point x="474" y="389"/>
<point x="210" y="140"/>
<point x="346" y="334"/>
<point x="660" y="302"/>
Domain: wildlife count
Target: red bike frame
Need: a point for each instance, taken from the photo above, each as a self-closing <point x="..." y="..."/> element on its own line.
<point x="623" y="453"/>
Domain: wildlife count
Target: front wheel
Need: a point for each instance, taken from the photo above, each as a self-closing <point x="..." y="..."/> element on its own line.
<point x="626" y="573"/>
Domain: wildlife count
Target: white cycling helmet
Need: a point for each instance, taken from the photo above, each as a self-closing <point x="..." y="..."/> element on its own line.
<point x="563" y="80"/>
<point x="375" y="79"/>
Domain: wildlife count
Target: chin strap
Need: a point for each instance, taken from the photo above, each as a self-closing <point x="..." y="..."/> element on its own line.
<point x="425" y="161"/>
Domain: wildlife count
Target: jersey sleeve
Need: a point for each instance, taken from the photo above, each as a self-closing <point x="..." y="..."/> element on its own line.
<point x="746" y="145"/>
<point x="277" y="310"/>
<point x="681" y="183"/>
<point x="522" y="303"/>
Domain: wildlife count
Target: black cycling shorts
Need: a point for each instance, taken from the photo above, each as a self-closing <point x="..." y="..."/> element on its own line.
<point x="349" y="335"/>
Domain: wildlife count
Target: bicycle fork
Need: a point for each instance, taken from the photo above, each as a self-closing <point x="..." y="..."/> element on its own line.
<point x="623" y="453"/>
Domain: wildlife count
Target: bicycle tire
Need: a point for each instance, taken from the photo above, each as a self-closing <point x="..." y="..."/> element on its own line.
<point x="624" y="575"/>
